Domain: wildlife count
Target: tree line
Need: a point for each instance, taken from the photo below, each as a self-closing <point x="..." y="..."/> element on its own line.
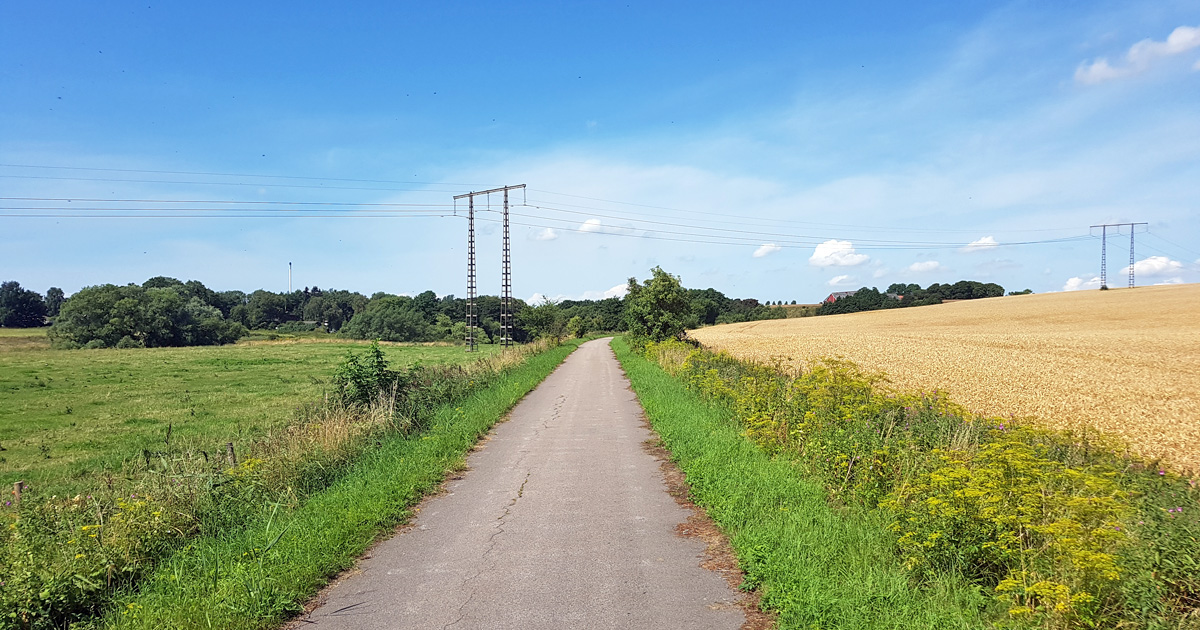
<point x="900" y="295"/>
<point x="164" y="311"/>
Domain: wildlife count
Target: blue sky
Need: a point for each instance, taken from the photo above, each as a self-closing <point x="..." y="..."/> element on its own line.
<point x="769" y="150"/>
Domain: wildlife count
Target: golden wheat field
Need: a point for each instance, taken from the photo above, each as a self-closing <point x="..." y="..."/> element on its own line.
<point x="1125" y="361"/>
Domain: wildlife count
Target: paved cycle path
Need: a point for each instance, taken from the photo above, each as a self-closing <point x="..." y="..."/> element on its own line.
<point x="561" y="521"/>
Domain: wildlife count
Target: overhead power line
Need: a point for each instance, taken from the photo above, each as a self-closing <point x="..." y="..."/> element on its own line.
<point x="741" y="219"/>
<point x="213" y="216"/>
<point x="198" y="183"/>
<point x="224" y="201"/>
<point x="742" y="241"/>
<point x="758" y="234"/>
<point x="213" y="174"/>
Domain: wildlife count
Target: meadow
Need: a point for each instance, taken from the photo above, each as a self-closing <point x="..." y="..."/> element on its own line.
<point x="1125" y="362"/>
<point x="67" y="416"/>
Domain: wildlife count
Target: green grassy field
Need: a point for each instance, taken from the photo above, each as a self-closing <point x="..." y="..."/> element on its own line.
<point x="67" y="415"/>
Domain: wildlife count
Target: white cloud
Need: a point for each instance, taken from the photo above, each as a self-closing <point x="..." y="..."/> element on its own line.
<point x="539" y="298"/>
<point x="765" y="249"/>
<point x="880" y="272"/>
<point x="1140" y="56"/>
<point x="547" y="234"/>
<point x="597" y="226"/>
<point x="834" y="253"/>
<point x="618" y="291"/>
<point x="1099" y="71"/>
<point x="1169" y="281"/>
<point x="924" y="266"/>
<point x="840" y="281"/>
<point x="1079" y="284"/>
<point x="983" y="244"/>
<point x="1154" y="266"/>
<point x="591" y="225"/>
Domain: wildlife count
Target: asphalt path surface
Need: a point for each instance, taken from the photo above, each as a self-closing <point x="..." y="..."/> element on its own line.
<point x="561" y="521"/>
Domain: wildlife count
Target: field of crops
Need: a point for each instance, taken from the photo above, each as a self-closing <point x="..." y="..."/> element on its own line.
<point x="67" y="414"/>
<point x="1126" y="362"/>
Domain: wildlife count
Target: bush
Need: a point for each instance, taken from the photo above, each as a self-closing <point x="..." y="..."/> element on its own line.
<point x="296" y="327"/>
<point x="577" y="327"/>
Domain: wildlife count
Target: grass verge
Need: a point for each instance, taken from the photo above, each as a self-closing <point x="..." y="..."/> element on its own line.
<point x="260" y="575"/>
<point x="816" y="566"/>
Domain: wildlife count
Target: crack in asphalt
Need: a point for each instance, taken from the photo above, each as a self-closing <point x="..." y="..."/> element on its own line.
<point x="559" y="403"/>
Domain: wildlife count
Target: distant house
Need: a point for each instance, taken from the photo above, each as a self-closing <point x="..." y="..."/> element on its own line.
<point x="837" y="295"/>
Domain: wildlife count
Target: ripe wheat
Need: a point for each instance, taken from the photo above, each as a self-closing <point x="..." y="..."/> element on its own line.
<point x="1124" y="362"/>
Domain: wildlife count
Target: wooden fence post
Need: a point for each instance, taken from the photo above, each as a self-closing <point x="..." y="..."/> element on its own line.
<point x="17" y="488"/>
<point x="229" y="454"/>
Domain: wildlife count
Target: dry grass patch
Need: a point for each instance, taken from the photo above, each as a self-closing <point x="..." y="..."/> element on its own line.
<point x="1124" y="362"/>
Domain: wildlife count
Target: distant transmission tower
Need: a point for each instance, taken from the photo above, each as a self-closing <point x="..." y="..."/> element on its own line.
<point x="506" y="301"/>
<point x="1104" y="250"/>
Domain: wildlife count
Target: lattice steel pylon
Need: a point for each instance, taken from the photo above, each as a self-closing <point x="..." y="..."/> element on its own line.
<point x="507" y="316"/>
<point x="471" y="321"/>
<point x="1104" y="250"/>
<point x="506" y="310"/>
<point x="1131" y="263"/>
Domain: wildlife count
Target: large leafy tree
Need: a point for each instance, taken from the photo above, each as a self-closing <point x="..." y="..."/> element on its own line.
<point x="390" y="318"/>
<point x="108" y="316"/>
<point x="657" y="309"/>
<point x="21" y="308"/>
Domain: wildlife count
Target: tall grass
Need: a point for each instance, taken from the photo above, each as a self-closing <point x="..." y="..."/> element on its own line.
<point x="1065" y="530"/>
<point x="259" y="575"/>
<point x="65" y="559"/>
<point x="817" y="565"/>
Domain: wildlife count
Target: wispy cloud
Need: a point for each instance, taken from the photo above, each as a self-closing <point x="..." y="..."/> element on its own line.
<point x="547" y="234"/>
<point x="979" y="245"/>
<point x="1140" y="57"/>
<point x="925" y="266"/>
<point x="834" y="253"/>
<point x="840" y="281"/>
<point x="766" y="249"/>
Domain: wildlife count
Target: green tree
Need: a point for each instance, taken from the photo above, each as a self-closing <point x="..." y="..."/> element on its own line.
<point x="266" y="309"/>
<point x="21" y="308"/>
<point x="390" y="318"/>
<point x="131" y="316"/>
<point x="658" y="309"/>
<point x="54" y="300"/>
<point x="577" y="326"/>
<point x="544" y="320"/>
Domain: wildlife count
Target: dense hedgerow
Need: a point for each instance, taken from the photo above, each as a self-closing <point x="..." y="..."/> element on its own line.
<point x="1065" y="528"/>
<point x="63" y="559"/>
